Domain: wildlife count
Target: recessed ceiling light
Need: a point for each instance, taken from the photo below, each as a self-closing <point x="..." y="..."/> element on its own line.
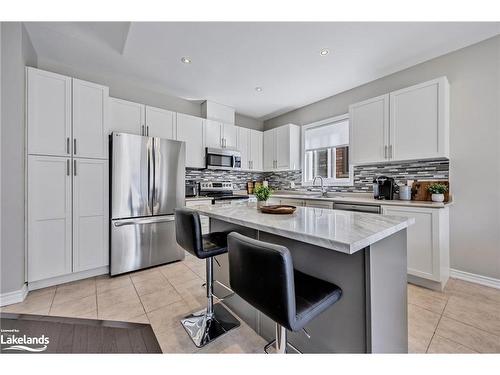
<point x="258" y="89"/>
<point x="324" y="52"/>
<point x="186" y="60"/>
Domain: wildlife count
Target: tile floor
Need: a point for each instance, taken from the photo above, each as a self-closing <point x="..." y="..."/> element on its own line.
<point x="465" y="318"/>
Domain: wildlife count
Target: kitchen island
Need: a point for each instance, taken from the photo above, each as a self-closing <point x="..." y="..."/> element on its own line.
<point x="364" y="254"/>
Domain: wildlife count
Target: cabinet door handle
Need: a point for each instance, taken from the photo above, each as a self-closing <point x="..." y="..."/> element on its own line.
<point x="67" y="167"/>
<point x="142" y="129"/>
<point x="390" y="151"/>
<point x="67" y="146"/>
<point x="385" y="152"/>
<point x="74" y="167"/>
<point x="147" y="130"/>
<point x="74" y="146"/>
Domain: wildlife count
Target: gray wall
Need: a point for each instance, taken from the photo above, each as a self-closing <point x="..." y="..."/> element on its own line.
<point x="474" y="75"/>
<point x="17" y="52"/>
<point x="249" y="122"/>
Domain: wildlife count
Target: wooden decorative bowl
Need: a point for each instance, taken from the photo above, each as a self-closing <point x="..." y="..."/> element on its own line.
<point x="278" y="209"/>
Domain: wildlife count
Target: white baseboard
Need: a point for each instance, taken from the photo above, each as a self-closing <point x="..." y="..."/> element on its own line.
<point x="473" y="278"/>
<point x="67" y="278"/>
<point x="14" y="297"/>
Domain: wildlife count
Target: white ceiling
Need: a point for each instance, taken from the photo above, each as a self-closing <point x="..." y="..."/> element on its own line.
<point x="230" y="59"/>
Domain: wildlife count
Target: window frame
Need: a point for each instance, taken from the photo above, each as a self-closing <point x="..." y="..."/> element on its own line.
<point x="326" y="181"/>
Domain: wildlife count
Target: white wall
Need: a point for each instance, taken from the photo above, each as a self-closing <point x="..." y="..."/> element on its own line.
<point x="474" y="75"/>
<point x="17" y="52"/>
<point x="124" y="88"/>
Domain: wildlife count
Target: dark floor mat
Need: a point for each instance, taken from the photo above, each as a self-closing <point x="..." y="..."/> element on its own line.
<point x="24" y="333"/>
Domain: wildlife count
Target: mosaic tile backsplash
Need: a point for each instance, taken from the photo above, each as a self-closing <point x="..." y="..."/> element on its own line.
<point x="363" y="175"/>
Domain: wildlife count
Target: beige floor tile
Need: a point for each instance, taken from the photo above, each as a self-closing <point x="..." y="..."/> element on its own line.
<point x="174" y="269"/>
<point x="479" y="340"/>
<point x="75" y="290"/>
<point x="175" y="340"/>
<point x="186" y="281"/>
<point x="442" y="345"/>
<point x="155" y="283"/>
<point x="472" y="291"/>
<point x="117" y="296"/>
<point x="195" y="296"/>
<point x="123" y="311"/>
<point x="239" y="340"/>
<point x="85" y="307"/>
<point x="159" y="299"/>
<point x="483" y="314"/>
<point x="427" y="299"/>
<point x="106" y="283"/>
<point x="36" y="302"/>
<point x="163" y="319"/>
<point x="149" y="274"/>
<point x="139" y="319"/>
<point x="421" y="326"/>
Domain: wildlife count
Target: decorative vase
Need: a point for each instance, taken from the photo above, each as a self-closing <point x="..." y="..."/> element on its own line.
<point x="437" y="197"/>
<point x="261" y="204"/>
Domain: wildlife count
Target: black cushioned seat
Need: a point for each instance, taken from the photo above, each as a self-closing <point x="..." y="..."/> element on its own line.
<point x="312" y="297"/>
<point x="263" y="275"/>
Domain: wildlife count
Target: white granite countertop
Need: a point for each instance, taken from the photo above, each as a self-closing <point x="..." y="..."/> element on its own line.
<point x="343" y="231"/>
<point x="361" y="198"/>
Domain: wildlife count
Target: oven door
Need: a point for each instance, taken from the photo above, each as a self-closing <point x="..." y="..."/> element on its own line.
<point x="220" y="159"/>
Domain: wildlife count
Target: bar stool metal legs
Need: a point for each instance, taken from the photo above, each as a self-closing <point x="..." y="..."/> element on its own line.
<point x="208" y="324"/>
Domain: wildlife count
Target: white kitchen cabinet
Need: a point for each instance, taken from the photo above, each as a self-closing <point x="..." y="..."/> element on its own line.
<point x="244" y="147"/>
<point x="250" y="143"/>
<point x="90" y="109"/>
<point x="408" y="124"/>
<point x="191" y="130"/>
<point x="427" y="244"/>
<point x="126" y="117"/>
<point x="369" y="130"/>
<point x="49" y="217"/>
<point x="90" y="214"/>
<point x="256" y="149"/>
<point x="213" y="134"/>
<point x="48" y="113"/>
<point x="220" y="135"/>
<point x="229" y="135"/>
<point x="160" y="123"/>
<point x="419" y="123"/>
<point x="282" y="148"/>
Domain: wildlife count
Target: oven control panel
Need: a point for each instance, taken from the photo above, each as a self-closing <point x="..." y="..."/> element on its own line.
<point x="216" y="186"/>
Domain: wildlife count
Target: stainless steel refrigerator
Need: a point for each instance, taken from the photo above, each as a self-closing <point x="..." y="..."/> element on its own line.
<point x="147" y="184"/>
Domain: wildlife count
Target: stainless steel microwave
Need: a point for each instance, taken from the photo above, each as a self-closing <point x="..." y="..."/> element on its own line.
<point x="223" y="158"/>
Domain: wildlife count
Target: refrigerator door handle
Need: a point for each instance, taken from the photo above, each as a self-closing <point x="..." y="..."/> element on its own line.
<point x="121" y="223"/>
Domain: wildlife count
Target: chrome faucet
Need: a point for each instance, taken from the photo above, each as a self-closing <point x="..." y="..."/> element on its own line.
<point x="323" y="191"/>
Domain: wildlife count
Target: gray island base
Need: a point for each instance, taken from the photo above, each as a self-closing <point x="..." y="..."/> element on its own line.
<point x="364" y="254"/>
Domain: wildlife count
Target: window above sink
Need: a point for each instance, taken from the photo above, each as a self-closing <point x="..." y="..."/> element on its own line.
<point x="325" y="152"/>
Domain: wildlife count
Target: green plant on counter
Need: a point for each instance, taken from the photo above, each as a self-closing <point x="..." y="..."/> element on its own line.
<point x="262" y="193"/>
<point x="437" y="188"/>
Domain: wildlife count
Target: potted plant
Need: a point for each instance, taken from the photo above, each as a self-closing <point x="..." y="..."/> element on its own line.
<point x="437" y="190"/>
<point x="262" y="193"/>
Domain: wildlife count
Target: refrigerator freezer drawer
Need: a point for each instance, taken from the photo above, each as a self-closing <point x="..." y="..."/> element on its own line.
<point x="143" y="242"/>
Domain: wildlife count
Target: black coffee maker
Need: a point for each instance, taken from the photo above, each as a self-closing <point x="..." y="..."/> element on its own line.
<point x="384" y="188"/>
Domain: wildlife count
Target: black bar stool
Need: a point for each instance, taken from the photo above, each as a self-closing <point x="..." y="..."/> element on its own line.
<point x="263" y="275"/>
<point x="208" y="324"/>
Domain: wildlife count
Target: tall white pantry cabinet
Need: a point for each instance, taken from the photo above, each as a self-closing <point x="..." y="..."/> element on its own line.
<point x="67" y="178"/>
